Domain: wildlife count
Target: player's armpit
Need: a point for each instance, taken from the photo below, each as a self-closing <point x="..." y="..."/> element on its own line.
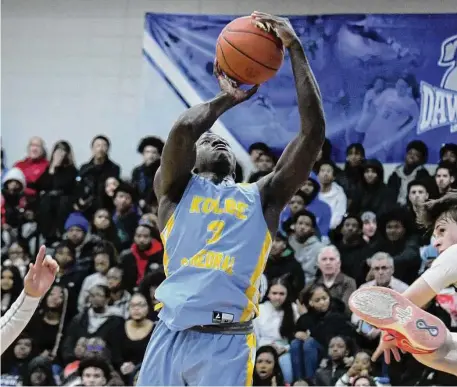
<point x="178" y="156"/>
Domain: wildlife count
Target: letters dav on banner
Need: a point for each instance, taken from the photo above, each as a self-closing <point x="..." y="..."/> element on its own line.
<point x="439" y="104"/>
<point x="385" y="79"/>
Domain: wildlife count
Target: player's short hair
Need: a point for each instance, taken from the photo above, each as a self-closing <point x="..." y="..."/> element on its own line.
<point x="443" y="208"/>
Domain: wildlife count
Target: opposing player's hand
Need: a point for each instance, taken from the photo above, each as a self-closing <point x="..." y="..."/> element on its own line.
<point x="41" y="274"/>
<point x="279" y="25"/>
<point x="232" y="87"/>
<point x="388" y="346"/>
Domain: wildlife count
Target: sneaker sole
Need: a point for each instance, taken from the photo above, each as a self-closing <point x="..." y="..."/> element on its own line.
<point x="387" y="309"/>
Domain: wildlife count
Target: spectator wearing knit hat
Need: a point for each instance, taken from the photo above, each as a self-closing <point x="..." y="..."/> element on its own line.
<point x="448" y="153"/>
<point x="412" y="169"/>
<point x="76" y="233"/>
<point x="143" y="175"/>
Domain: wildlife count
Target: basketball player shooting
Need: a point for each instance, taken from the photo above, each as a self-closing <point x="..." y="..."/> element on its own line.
<point x="217" y="234"/>
<point x="405" y="325"/>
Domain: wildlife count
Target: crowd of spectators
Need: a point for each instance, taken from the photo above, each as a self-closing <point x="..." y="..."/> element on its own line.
<point x="345" y="228"/>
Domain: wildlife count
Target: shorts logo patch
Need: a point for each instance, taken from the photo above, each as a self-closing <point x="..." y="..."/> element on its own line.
<point x="222" y="318"/>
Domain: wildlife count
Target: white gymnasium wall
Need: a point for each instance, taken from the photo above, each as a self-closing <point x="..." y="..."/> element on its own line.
<point x="72" y="69"/>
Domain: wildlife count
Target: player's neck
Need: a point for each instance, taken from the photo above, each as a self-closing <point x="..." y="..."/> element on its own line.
<point x="216" y="179"/>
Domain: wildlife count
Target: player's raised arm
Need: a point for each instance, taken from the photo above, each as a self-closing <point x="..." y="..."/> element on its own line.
<point x="299" y="156"/>
<point x="178" y="156"/>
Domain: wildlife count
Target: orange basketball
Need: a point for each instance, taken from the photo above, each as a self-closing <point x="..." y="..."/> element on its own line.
<point x="248" y="54"/>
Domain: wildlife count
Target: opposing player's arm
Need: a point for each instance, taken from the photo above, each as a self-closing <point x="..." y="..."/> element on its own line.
<point x="178" y="156"/>
<point x="299" y="156"/>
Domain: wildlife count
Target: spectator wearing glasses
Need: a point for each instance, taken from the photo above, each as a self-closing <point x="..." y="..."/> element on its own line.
<point x="382" y="268"/>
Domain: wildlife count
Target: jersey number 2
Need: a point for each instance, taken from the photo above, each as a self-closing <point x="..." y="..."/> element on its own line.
<point x="215" y="227"/>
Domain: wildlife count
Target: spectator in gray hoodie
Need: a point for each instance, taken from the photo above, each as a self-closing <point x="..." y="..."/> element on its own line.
<point x="305" y="243"/>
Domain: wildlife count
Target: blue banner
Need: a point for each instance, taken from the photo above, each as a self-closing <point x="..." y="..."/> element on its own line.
<point x="385" y="79"/>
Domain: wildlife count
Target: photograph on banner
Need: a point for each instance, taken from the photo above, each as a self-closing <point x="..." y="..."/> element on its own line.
<point x="385" y="79"/>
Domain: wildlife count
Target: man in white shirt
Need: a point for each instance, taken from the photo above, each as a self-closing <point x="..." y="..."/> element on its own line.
<point x="37" y="282"/>
<point x="405" y="325"/>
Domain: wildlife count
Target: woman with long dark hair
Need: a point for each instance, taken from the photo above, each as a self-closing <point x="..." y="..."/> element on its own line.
<point x="56" y="187"/>
<point x="276" y="323"/>
<point x="47" y="327"/>
<point x="11" y="284"/>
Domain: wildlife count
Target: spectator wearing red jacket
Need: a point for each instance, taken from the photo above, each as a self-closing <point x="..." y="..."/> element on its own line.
<point x="34" y="165"/>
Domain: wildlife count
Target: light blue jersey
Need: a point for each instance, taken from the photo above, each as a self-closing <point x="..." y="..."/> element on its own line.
<point x="216" y="245"/>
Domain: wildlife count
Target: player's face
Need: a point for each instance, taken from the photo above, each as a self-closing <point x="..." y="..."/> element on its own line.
<point x="264" y="365"/>
<point x="277" y="295"/>
<point x="417" y="194"/>
<point x="444" y="234"/>
<point x="214" y="155"/>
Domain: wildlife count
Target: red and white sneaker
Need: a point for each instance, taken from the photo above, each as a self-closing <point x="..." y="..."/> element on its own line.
<point x="414" y="330"/>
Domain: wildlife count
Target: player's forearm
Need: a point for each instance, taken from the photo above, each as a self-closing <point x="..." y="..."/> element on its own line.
<point x="308" y="94"/>
<point x="419" y="293"/>
<point x="200" y="118"/>
<point x="17" y="318"/>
